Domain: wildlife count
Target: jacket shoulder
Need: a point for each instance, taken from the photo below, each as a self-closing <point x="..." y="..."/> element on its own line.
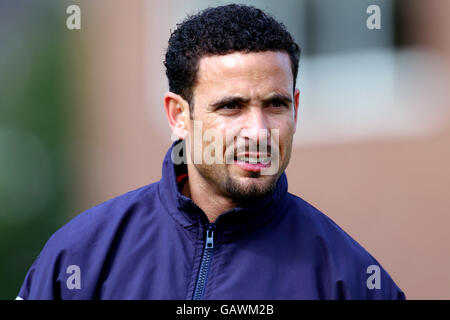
<point x="85" y="242"/>
<point x="323" y="226"/>
<point x="99" y="219"/>
<point x="349" y="262"/>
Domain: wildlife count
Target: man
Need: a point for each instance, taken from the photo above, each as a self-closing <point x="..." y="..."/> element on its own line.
<point x="220" y="223"/>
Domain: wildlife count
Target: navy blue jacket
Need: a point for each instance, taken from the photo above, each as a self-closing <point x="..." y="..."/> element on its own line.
<point x="154" y="243"/>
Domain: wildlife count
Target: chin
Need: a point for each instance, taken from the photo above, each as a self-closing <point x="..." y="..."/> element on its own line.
<point x="250" y="191"/>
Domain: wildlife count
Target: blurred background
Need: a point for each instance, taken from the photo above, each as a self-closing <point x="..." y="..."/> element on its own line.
<point x="82" y="121"/>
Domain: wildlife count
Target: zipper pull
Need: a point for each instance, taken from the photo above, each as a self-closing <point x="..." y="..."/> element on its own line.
<point x="210" y="237"/>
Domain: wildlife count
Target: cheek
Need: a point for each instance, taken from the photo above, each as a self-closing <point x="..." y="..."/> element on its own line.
<point x="286" y="132"/>
<point x="285" y="125"/>
<point x="225" y="127"/>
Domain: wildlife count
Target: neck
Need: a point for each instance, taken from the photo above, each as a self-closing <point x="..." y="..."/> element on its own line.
<point x="204" y="196"/>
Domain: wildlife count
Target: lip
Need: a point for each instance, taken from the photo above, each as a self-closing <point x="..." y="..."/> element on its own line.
<point x="252" y="167"/>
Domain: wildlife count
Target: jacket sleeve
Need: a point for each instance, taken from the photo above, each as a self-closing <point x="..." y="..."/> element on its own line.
<point x="42" y="281"/>
<point x="384" y="287"/>
<point x="38" y="284"/>
<point x="366" y="279"/>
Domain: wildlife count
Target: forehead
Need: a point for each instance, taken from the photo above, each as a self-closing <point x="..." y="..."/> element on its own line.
<point x="239" y="71"/>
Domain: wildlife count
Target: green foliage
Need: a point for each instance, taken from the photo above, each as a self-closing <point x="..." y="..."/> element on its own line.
<point x="34" y="83"/>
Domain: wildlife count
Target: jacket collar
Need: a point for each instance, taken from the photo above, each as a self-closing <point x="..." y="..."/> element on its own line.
<point x="235" y="221"/>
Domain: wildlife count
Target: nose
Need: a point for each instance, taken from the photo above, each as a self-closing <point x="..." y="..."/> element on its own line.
<point x="255" y="123"/>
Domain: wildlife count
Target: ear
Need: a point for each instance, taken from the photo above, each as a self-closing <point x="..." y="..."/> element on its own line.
<point x="177" y="111"/>
<point x="296" y="105"/>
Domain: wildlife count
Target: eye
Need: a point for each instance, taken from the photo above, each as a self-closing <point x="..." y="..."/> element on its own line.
<point x="229" y="106"/>
<point x="278" y="103"/>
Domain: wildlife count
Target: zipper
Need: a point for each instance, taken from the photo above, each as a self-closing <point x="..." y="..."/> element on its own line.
<point x="205" y="263"/>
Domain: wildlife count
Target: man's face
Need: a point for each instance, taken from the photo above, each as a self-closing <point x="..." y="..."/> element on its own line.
<point x="241" y="94"/>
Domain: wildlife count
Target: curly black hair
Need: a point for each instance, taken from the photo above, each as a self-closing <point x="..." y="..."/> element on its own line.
<point x="218" y="31"/>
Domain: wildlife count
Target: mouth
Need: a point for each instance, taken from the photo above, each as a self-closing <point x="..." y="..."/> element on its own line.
<point x="253" y="162"/>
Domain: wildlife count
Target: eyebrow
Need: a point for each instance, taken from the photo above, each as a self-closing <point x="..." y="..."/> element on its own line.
<point x="278" y="96"/>
<point x="238" y="99"/>
<point x="229" y="99"/>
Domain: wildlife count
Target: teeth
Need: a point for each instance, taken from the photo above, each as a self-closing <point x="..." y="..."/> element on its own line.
<point x="262" y="159"/>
